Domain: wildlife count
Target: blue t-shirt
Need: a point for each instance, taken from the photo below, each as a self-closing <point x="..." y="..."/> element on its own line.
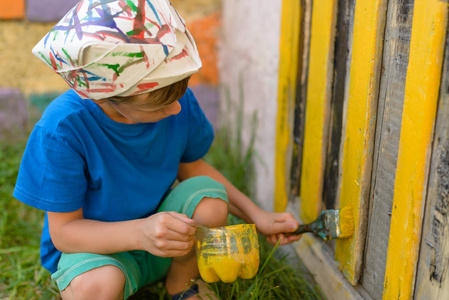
<point x="77" y="157"/>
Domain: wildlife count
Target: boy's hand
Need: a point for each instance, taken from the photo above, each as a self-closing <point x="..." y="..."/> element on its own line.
<point x="168" y="234"/>
<point x="274" y="225"/>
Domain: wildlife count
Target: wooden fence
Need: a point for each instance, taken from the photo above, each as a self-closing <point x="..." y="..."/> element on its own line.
<point x="363" y="122"/>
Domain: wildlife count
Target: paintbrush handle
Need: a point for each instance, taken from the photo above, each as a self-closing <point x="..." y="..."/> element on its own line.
<point x="315" y="227"/>
<point x="303" y="228"/>
<point x="327" y="225"/>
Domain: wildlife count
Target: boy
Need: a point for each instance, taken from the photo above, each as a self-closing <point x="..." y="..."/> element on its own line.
<point x="104" y="156"/>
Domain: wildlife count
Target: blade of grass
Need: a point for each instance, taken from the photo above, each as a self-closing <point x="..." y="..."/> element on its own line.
<point x="269" y="257"/>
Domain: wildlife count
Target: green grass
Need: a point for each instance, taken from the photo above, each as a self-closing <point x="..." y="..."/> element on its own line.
<point x="22" y="277"/>
<point x="276" y="279"/>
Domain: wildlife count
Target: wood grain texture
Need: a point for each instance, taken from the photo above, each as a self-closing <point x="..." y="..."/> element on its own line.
<point x="388" y="131"/>
<point x="432" y="280"/>
<point x="420" y="104"/>
<point x="358" y="132"/>
<point x="319" y="260"/>
<point x="319" y="85"/>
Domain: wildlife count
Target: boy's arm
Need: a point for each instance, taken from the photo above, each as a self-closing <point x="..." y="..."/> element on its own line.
<point x="165" y="234"/>
<point x="268" y="223"/>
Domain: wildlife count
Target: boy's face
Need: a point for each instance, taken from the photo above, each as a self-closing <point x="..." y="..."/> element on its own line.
<point x="139" y="110"/>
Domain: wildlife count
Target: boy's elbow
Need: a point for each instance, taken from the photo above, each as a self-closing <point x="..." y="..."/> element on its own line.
<point x="59" y="225"/>
<point x="57" y="239"/>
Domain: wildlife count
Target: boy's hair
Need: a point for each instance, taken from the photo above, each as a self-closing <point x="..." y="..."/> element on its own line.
<point x="161" y="97"/>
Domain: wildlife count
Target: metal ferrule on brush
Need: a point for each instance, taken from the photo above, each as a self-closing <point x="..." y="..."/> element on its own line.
<point x="331" y="224"/>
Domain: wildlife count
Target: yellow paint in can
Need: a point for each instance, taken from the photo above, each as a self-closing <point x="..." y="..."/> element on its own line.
<point x="226" y="253"/>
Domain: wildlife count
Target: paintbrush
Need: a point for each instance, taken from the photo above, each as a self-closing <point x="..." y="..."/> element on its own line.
<point x="330" y="224"/>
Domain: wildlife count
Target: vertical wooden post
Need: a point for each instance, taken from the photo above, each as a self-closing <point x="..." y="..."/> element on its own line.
<point x="342" y="61"/>
<point x="398" y="31"/>
<point x="420" y="103"/>
<point x="358" y="132"/>
<point x="288" y="68"/>
<point x="432" y="281"/>
<point x="317" y="107"/>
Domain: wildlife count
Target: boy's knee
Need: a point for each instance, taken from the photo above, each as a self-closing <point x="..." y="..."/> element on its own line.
<point x="106" y="282"/>
<point x="211" y="212"/>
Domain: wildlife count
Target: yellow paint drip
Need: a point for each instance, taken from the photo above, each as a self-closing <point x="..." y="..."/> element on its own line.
<point x="228" y="252"/>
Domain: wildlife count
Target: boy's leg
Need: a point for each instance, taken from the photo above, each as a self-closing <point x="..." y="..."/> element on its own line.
<point x="107" y="282"/>
<point x="201" y="198"/>
<point x="95" y="276"/>
<point x="210" y="212"/>
<point x="205" y="201"/>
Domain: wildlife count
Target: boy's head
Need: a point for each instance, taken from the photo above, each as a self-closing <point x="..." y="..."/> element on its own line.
<point x="147" y="107"/>
<point x="115" y="49"/>
<point x="160" y="97"/>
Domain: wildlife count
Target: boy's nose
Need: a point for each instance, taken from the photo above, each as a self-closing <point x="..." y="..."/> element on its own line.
<point x="173" y="109"/>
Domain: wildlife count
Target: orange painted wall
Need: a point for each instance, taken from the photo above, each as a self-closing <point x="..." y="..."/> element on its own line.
<point x="12" y="9"/>
<point x="205" y="32"/>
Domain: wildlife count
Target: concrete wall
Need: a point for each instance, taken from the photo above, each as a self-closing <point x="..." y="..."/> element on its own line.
<point x="249" y="60"/>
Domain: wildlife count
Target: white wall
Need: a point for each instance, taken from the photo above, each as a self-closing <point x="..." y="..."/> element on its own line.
<point x="249" y="52"/>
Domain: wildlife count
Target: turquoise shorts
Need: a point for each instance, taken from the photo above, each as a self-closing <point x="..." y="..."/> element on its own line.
<point x="141" y="267"/>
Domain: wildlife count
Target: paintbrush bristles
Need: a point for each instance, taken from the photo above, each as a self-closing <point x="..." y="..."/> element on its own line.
<point x="346" y="222"/>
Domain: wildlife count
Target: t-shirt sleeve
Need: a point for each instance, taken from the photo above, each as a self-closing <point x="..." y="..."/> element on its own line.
<point x="52" y="173"/>
<point x="201" y="133"/>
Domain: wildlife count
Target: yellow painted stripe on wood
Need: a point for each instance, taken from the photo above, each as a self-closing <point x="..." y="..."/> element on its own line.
<point x="420" y="104"/>
<point x="358" y="136"/>
<point x="288" y="69"/>
<point x="319" y="86"/>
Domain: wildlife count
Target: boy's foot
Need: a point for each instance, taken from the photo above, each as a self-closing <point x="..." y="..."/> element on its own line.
<point x="198" y="290"/>
<point x="205" y="293"/>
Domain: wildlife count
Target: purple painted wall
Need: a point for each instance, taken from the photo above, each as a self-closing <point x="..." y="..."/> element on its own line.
<point x="207" y="97"/>
<point x="13" y="112"/>
<point x="48" y="10"/>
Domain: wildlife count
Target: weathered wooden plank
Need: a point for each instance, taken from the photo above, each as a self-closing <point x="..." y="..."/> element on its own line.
<point x="358" y="132"/>
<point x="341" y="78"/>
<point x="420" y="103"/>
<point x="319" y="85"/>
<point x="288" y="68"/>
<point x="318" y="258"/>
<point x="432" y="280"/>
<point x="388" y="131"/>
<point x="301" y="96"/>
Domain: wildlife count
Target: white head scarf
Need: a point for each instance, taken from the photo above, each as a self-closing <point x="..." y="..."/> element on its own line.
<point x="106" y="48"/>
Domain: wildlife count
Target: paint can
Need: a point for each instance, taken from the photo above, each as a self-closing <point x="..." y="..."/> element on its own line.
<point x="226" y="253"/>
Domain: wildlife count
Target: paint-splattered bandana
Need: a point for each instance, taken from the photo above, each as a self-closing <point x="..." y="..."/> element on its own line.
<point x="105" y="48"/>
